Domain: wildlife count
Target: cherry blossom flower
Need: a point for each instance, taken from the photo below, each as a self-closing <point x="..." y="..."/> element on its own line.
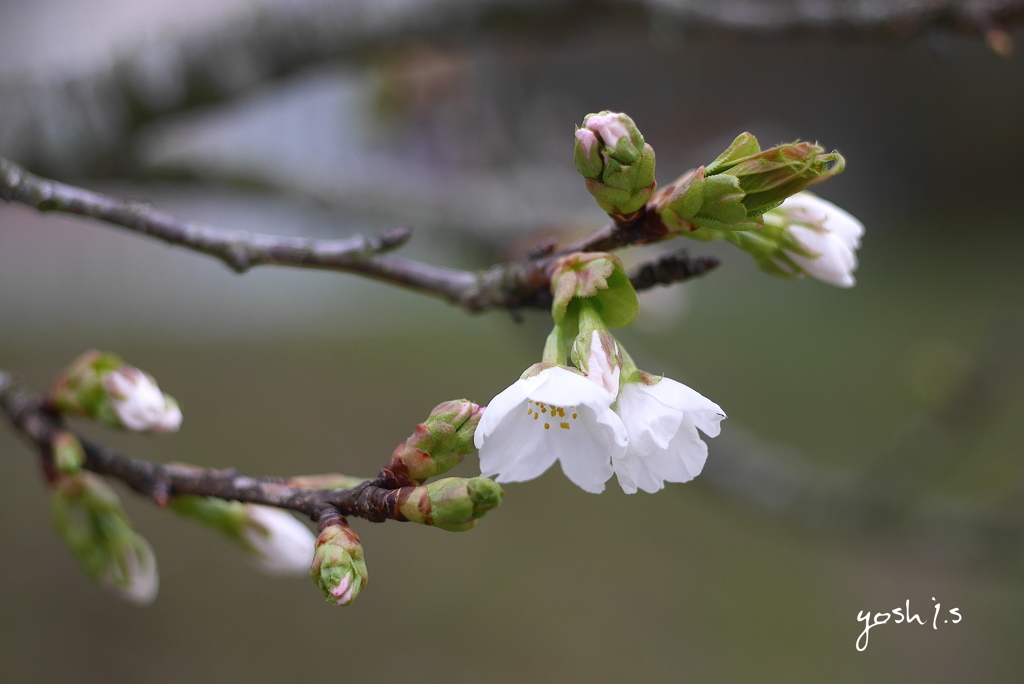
<point x="661" y="417"/>
<point x="555" y="415"/>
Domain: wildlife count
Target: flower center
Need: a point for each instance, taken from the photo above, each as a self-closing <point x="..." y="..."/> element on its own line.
<point x="563" y="416"/>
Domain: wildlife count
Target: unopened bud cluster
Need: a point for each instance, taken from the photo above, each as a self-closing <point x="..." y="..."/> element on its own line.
<point x="616" y="162"/>
<point x="338" y="565"/>
<point x="753" y="198"/>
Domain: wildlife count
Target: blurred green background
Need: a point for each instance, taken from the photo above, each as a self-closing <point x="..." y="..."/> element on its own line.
<point x="874" y="448"/>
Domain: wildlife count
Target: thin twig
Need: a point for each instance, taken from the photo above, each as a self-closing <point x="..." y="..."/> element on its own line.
<point x="518" y="285"/>
<point x="159" y="481"/>
<point x="238" y="249"/>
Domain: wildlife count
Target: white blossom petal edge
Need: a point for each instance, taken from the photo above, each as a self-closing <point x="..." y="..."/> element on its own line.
<point x="283" y="545"/>
<point x="556" y="415"/>
<point x="661" y="420"/>
<point x="835" y="238"/>
<point x="139" y="403"/>
<point x="138" y="580"/>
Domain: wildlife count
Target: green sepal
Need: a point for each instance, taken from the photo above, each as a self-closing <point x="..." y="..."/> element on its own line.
<point x="227" y="517"/>
<point x="744" y="145"/>
<point x="723" y="200"/>
<point x="68" y="454"/>
<point x="598" y="277"/>
<point x="678" y="202"/>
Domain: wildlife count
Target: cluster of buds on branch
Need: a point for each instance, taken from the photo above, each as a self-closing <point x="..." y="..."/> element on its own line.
<point x="618" y="165"/>
<point x="89" y="516"/>
<point x="753" y="198"/>
<point x="586" y="405"/>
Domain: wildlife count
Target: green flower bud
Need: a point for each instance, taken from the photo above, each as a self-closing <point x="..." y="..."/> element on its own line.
<point x="338" y="565"/>
<point x="280" y="545"/>
<point x="89" y="516"/>
<point x="610" y="153"/>
<point x="436" y="446"/>
<point x="598" y="277"/>
<point x="68" y="455"/>
<point x="678" y="202"/>
<point x="453" y="504"/>
<point x="104" y="388"/>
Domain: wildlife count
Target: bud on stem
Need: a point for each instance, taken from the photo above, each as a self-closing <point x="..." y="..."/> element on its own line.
<point x="598" y="278"/>
<point x="610" y="153"/>
<point x="89" y="516"/>
<point x="453" y="504"/>
<point x="435" y="447"/>
<point x="68" y="454"/>
<point x="104" y="388"/>
<point x="338" y="566"/>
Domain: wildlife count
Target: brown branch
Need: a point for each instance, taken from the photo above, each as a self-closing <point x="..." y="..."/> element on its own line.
<point x="89" y="118"/>
<point x="523" y="284"/>
<point x="671" y="268"/>
<point x="160" y="481"/>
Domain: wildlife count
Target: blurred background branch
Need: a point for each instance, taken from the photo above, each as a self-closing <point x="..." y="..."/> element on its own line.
<point x="83" y="124"/>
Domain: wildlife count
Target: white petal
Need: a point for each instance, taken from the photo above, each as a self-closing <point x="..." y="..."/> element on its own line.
<point x="587" y="459"/>
<point x="601" y="370"/>
<point x="518" y="449"/>
<point x="143" y="582"/>
<point x="834" y="218"/>
<point x="705" y="413"/>
<point x="559" y="415"/>
<point x="587" y="140"/>
<point x="835" y="246"/>
<point x="609" y="127"/>
<point x="649" y="422"/>
<point x="284" y="546"/>
<point x="562" y="387"/>
<point x="680" y="462"/>
<point x="664" y="445"/>
<point x="503" y="402"/>
<point x="835" y="262"/>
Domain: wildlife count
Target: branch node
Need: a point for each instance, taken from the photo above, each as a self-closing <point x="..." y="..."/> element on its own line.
<point x="161" y="493"/>
<point x="392" y="238"/>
